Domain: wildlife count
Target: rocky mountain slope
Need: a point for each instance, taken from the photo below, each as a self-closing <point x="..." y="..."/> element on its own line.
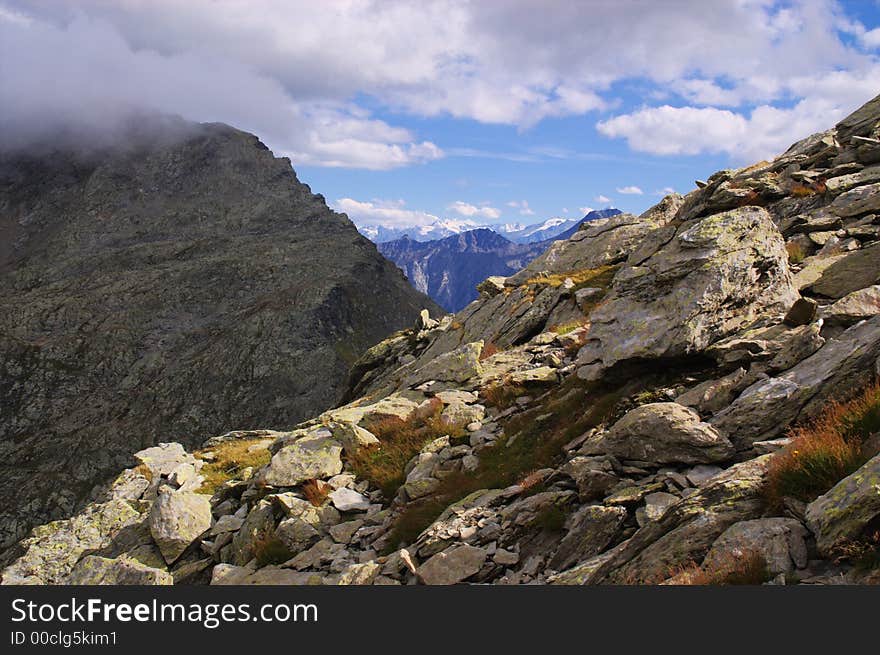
<point x="449" y="269"/>
<point x="177" y="283"/>
<point x="617" y="412"/>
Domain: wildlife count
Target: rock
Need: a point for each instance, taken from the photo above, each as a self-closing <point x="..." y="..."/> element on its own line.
<point x="768" y="407"/>
<point x="227" y="574"/>
<point x="460" y="365"/>
<point x="540" y="375"/>
<point x="847" y="509"/>
<point x="352" y="437"/>
<point x="360" y="574"/>
<point x="803" y="312"/>
<point x="296" y="534"/>
<point x="857" y="270"/>
<point x="505" y="557"/>
<point x="684" y="533"/>
<point x="452" y="565"/>
<point x="459" y="414"/>
<point x="589" y="531"/>
<point x="657" y="503"/>
<point x="779" y="541"/>
<point x="163" y="458"/>
<point x="713" y="395"/>
<point x="701" y="474"/>
<point x="258" y="526"/>
<point x="491" y="286"/>
<point x="861" y="200"/>
<point x="52" y="550"/>
<point x="664" y="433"/>
<point x="177" y="519"/>
<point x="699" y="288"/>
<point x="94" y="570"/>
<point x="343" y="532"/>
<point x="425" y="322"/>
<point x="594" y="476"/>
<point x="305" y="459"/>
<point x="454" y="396"/>
<point x="346" y="500"/>
<point x="585" y="297"/>
<point x="854" y="307"/>
<point x="843" y="183"/>
<point x="228" y="523"/>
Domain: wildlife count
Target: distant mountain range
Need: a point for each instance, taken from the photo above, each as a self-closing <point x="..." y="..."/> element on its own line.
<point x="514" y="232"/>
<point x="449" y="269"/>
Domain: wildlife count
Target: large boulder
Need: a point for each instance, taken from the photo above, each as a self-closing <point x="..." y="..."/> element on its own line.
<point x="53" y="549"/>
<point x="715" y="276"/>
<point x="780" y="542"/>
<point x="683" y="534"/>
<point x="847" y="509"/>
<point x="766" y="409"/>
<point x="95" y="570"/>
<point x="452" y="565"/>
<point x="590" y="530"/>
<point x="849" y="273"/>
<point x="664" y="433"/>
<point x="854" y="307"/>
<point x="307" y="458"/>
<point x="177" y="519"/>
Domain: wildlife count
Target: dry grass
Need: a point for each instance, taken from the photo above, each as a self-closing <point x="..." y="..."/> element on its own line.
<point x="230" y="458"/>
<point x="802" y="190"/>
<point x="316" y="491"/>
<point x="588" y="277"/>
<point x="747" y="567"/>
<point x="826" y="450"/>
<point x="489" y="349"/>
<point x="570" y="326"/>
<point x="502" y="395"/>
<point x="400" y="441"/>
<point x="269" y="549"/>
<point x="526" y="445"/>
<point x="796" y="252"/>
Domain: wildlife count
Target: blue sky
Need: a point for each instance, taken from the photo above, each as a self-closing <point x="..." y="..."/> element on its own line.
<point x="403" y="113"/>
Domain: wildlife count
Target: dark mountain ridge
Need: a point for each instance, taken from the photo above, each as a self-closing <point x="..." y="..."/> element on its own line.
<point x="175" y="283"/>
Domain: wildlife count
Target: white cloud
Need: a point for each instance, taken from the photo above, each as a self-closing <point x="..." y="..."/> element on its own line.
<point x="762" y="133"/>
<point x="387" y="213"/>
<point x="630" y="190"/>
<point x="602" y="200"/>
<point x="665" y="191"/>
<point x="522" y="206"/>
<point x="301" y="73"/>
<point x="466" y="209"/>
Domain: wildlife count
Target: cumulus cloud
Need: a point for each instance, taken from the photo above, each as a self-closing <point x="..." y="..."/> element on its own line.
<point x="522" y="206"/>
<point x="387" y="213"/>
<point x="466" y="209"/>
<point x="602" y="200"/>
<point x="631" y="190"/>
<point x="309" y="77"/>
<point x="84" y="75"/>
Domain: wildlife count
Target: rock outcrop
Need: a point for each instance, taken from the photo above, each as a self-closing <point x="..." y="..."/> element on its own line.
<point x="180" y="283"/>
<point x="615" y="413"/>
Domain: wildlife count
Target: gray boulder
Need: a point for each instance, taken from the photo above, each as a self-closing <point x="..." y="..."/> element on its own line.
<point x="306" y="459"/>
<point x="453" y="565"/>
<point x="95" y="570"/>
<point x="779" y="541"/>
<point x="177" y="519"/>
<point x="664" y="433"/>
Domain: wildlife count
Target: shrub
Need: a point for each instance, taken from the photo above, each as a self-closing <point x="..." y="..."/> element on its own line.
<point x="316" y="491"/>
<point x="502" y="395"/>
<point x="796" y="252"/>
<point x="489" y="349"/>
<point x="400" y="441"/>
<point x="269" y="549"/>
<point x="825" y="450"/>
<point x="747" y="567"/>
<point x="229" y="459"/>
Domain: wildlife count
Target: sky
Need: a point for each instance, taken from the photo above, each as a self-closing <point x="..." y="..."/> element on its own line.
<point x="405" y="113"/>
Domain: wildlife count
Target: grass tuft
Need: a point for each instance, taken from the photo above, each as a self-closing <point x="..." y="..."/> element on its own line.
<point x="796" y="252"/>
<point x="746" y="567"/>
<point x="316" y="491"/>
<point x="230" y="458"/>
<point x="269" y="549"/>
<point x="826" y="450"/>
<point x="400" y="441"/>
